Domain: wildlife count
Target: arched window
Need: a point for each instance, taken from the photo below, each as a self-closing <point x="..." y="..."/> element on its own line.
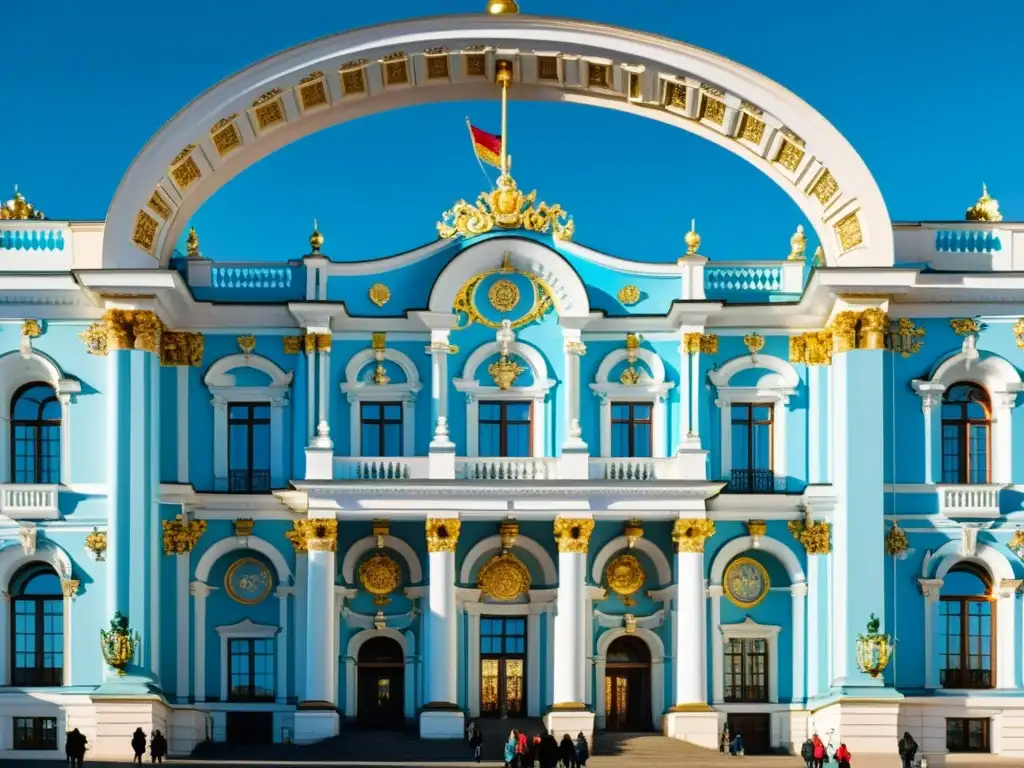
<point x="966" y="613"/>
<point x="35" y="435"/>
<point x="966" y="421"/>
<point x="37" y="626"/>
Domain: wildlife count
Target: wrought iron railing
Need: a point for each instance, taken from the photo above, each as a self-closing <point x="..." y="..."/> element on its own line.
<point x="249" y="481"/>
<point x="751" y="481"/>
<point x="965" y="678"/>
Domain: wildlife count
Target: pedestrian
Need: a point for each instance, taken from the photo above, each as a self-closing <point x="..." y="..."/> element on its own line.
<point x="567" y="752"/>
<point x="819" y="751"/>
<point x="157" y="747"/>
<point x="476" y="741"/>
<point x="522" y="748"/>
<point x="843" y="756"/>
<point x="807" y="753"/>
<point x="510" y="750"/>
<point x="736" y="748"/>
<point x="138" y="745"/>
<point x="725" y="741"/>
<point x="548" y="751"/>
<point x="908" y="749"/>
<point x="582" y="750"/>
<point x="74" y="748"/>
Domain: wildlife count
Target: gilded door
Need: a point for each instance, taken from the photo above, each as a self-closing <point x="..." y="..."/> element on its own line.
<point x="502" y="667"/>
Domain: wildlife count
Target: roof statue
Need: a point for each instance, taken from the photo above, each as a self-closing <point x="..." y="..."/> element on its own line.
<point x="986" y="209"/>
<point x="18" y="208"/>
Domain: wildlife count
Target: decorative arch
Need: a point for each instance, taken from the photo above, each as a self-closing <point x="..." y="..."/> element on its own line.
<point x="474" y="390"/>
<point x="287" y="97"/>
<point x="657" y="649"/>
<point x="364" y="545"/>
<point x="484" y="549"/>
<point x="223" y="387"/>
<point x="407" y="644"/>
<point x="230" y="544"/>
<point x="13" y="558"/>
<point x="360" y="638"/>
<point x="26" y="366"/>
<point x="661" y="564"/>
<point x="775" y="387"/>
<point x="735" y="547"/>
<point x="998" y="377"/>
<point x="651" y="385"/>
<point x="364" y="357"/>
<point x="995" y="563"/>
<point x="356" y="391"/>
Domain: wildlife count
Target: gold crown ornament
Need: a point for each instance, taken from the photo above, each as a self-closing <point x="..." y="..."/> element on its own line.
<point x="986" y="209"/>
<point x="19" y="208"/>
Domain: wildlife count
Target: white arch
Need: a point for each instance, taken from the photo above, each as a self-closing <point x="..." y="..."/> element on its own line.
<point x="364" y="545"/>
<point x="652" y="385"/>
<point x="988" y="557"/>
<point x="650" y="638"/>
<point x="230" y="544"/>
<point x="356" y="390"/>
<point x="352" y="678"/>
<point x="661" y="564"/>
<point x="741" y="544"/>
<point x="26" y="366"/>
<point x="364" y="357"/>
<point x="525" y="352"/>
<point x="528" y="256"/>
<point x="359" y="639"/>
<point x="653" y="362"/>
<point x="657" y="649"/>
<point x="492" y="544"/>
<point x="789" y="377"/>
<point x="640" y="68"/>
<point x="13" y="557"/>
<point x="219" y="374"/>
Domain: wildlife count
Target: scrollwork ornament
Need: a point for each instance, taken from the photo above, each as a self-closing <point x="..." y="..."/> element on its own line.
<point x="503" y="295"/>
<point x="625" y="577"/>
<point x="814" y="536"/>
<point x="965" y="326"/>
<point x="573" y="534"/>
<point x="629" y="295"/>
<point x="689" y="534"/>
<point x="505" y="207"/>
<point x="96" y="543"/>
<point x="896" y="541"/>
<point x="314" y="535"/>
<point x="905" y="339"/>
<point x="504" y="578"/>
<point x="379" y="294"/>
<point x="380" y="576"/>
<point x="442" y="533"/>
<point x="1018" y="333"/>
<point x="181" y="536"/>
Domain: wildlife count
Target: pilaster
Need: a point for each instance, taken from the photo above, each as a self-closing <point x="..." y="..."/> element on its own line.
<point x="441" y="717"/>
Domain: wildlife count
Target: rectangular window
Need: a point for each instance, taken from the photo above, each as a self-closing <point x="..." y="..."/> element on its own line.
<point x="631" y="430"/>
<point x="38" y="641"/>
<point x="381" y="429"/>
<point x="752" y="456"/>
<point x="746" y="670"/>
<point x="502" y="637"/>
<point x="251" y="669"/>
<point x="249" y="447"/>
<point x="505" y="429"/>
<point x="966" y="734"/>
<point x="965" y="643"/>
<point x="35" y="733"/>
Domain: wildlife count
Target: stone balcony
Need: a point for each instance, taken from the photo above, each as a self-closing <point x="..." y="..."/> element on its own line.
<point x="29" y="502"/>
<point x="969" y="500"/>
<point x="961" y="246"/>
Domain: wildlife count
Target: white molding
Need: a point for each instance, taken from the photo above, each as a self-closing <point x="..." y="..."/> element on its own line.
<point x="661" y="563"/>
<point x="232" y="543"/>
<point x="774" y="388"/>
<point x="749" y="630"/>
<point x="657" y="650"/>
<point x="735" y="547"/>
<point x="537" y="393"/>
<point x="243" y="629"/>
<point x="224" y="390"/>
<point x="652" y="385"/>
<point x="358" y="390"/>
<point x="949" y="554"/>
<point x="364" y="545"/>
<point x="492" y="545"/>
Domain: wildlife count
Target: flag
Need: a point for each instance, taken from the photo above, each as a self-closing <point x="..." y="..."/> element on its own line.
<point x="486" y="145"/>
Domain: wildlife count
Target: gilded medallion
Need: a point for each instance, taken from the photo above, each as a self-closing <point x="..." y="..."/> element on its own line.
<point x="629" y="295"/>
<point x="746" y="582"/>
<point x="504" y="578"/>
<point x="380" y="294"/>
<point x="380" y="576"/>
<point x="248" y="581"/>
<point x="503" y="295"/>
<point x="625" y="577"/>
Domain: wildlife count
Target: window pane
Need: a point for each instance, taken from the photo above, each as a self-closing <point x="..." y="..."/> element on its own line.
<point x="642" y="412"/>
<point x="490" y="411"/>
<point x="490" y="439"/>
<point x="620" y="440"/>
<point x="370" y="411"/>
<point x="642" y="440"/>
<point x="261" y="446"/>
<point x="518" y="440"/>
<point x="238" y="446"/>
<point x="620" y="411"/>
<point x="518" y="411"/>
<point x="392" y="440"/>
<point x="371" y="440"/>
<point x="741" y="446"/>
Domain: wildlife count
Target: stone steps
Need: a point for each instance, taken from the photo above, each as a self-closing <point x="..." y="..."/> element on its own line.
<point x="642" y="749"/>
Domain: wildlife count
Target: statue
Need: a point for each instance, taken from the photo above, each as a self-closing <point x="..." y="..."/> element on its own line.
<point x="118" y="643"/>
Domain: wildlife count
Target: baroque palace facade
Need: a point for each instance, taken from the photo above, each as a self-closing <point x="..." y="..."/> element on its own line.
<point x="504" y="473"/>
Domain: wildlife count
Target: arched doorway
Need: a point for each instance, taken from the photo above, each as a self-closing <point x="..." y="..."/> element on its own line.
<point x="381" y="684"/>
<point x="627" y="686"/>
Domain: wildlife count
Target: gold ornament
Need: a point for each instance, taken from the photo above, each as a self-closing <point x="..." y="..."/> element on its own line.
<point x="96" y="542"/>
<point x="797" y="244"/>
<point x="181" y="536"/>
<point x="986" y="209"/>
<point x="896" y="541"/>
<point x="31" y="329"/>
<point x="873" y="649"/>
<point x="465" y="301"/>
<point x="316" y="240"/>
<point x="1017" y="543"/>
<point x="380" y="294"/>
<point x="118" y="643"/>
<point x="504" y="578"/>
<point x="573" y="534"/>
<point x="503" y="295"/>
<point x="442" y="533"/>
<point x="19" y="209"/>
<point x="246" y="344"/>
<point x="873" y="325"/>
<point x="380" y="576"/>
<point x="192" y="244"/>
<point x="745" y="582"/>
<point x="754" y="342"/>
<point x="844" y="331"/>
<point x="692" y="239"/>
<point x="504" y="372"/>
<point x="506" y="208"/>
<point x="814" y="348"/>
<point x="243" y="527"/>
<point x="69" y="587"/>
<point x="292" y="344"/>
<point x="315" y="534"/>
<point x="178" y="348"/>
<point x="251" y="587"/>
<point x="1018" y="333"/>
<point x="499" y="7"/>
<point x="630" y="375"/>
<point x="905" y="339"/>
<point x="509" y="531"/>
<point x="95" y="338"/>
<point x="965" y="326"/>
<point x="625" y="576"/>
<point x="629" y="295"/>
<point x="629" y="624"/>
<point x="633" y="531"/>
<point x="815" y="537"/>
<point x="689" y="534"/>
<point x="757" y="528"/>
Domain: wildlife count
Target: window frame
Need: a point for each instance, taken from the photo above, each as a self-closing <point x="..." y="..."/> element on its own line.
<point x="249" y="630"/>
<point x="39" y="424"/>
<point x="503" y="423"/>
<point x="39" y="745"/>
<point x="964" y="423"/>
<point x="251" y="655"/>
<point x="964" y="601"/>
<point x="632" y="422"/>
<point x="250" y="423"/>
<point x="746" y="652"/>
<point x="965" y="724"/>
<point x="39" y="675"/>
<point x="747" y="476"/>
<point x="382" y="425"/>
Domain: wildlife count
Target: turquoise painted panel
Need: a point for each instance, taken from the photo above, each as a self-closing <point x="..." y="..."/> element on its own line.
<point x="254" y="284"/>
<point x="31" y="240"/>
<point x="603" y="285"/>
<point x="967" y="241"/>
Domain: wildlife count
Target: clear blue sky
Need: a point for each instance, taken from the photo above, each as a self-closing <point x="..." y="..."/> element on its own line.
<point x="927" y="91"/>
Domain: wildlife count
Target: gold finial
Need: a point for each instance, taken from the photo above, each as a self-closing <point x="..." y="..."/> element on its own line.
<point x="986" y="209"/>
<point x="818" y="259"/>
<point x="498" y="7"/>
<point x="797" y="244"/>
<point x="192" y="243"/>
<point x="692" y="239"/>
<point x="18" y="208"/>
<point x="316" y="240"/>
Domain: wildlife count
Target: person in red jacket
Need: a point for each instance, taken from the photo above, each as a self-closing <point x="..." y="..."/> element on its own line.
<point x="843" y="756"/>
<point x="819" y="751"/>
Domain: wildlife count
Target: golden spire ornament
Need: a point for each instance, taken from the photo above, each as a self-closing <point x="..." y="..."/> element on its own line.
<point x="192" y="243"/>
<point x="316" y="240"/>
<point x="500" y="7"/>
<point x="19" y="208"/>
<point x="986" y="209"/>
<point x="797" y="244"/>
<point x="692" y="239"/>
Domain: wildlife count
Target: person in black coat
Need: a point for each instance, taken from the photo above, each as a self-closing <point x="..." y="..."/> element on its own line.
<point x="567" y="752"/>
<point x="74" y="748"/>
<point x="139" y="745"/>
<point x="807" y="753"/>
<point x="908" y="749"/>
<point x="548" y="751"/>
<point x="157" y="747"/>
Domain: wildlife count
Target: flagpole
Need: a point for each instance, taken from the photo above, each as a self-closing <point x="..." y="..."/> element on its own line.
<point x="504" y="76"/>
<point x="472" y="143"/>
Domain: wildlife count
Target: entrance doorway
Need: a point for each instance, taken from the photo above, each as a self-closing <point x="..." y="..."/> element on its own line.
<point x="381" y="684"/>
<point x="627" y="686"/>
<point x="502" y="666"/>
<point x="249" y="728"/>
<point x="755" y="730"/>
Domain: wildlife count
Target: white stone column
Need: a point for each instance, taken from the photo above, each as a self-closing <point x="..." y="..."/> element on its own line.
<point x="533" y="706"/>
<point x="930" y="404"/>
<point x="181" y="593"/>
<point x="439" y="350"/>
<point x="310" y="388"/>
<point x="1002" y="436"/>
<point x="573" y="537"/>
<point x="715" y="592"/>
<point x="684" y="391"/>
<point x="1006" y="640"/>
<point x="473" y="658"/>
<point x="183" y="425"/>
<point x="798" y="595"/>
<point x="600" y="705"/>
<point x="574" y="350"/>
<point x="64" y="398"/>
<point x="815" y="425"/>
<point x="323" y="347"/>
<point x="301" y="578"/>
<point x="411" y="676"/>
<point x="321" y="544"/>
<point x="930" y="589"/>
<point x="200" y="591"/>
<point x="549" y="655"/>
<point x="695" y="388"/>
<point x="441" y="717"/>
<point x="282" y="593"/>
<point x="691" y="612"/>
<point x="70" y="588"/>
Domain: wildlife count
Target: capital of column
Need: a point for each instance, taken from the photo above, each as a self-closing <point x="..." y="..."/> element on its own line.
<point x="314" y="535"/>
<point x="1007" y="588"/>
<point x="284" y="592"/>
<point x="131" y="329"/>
<point x="799" y="589"/>
<point x="689" y="534"/>
<point x="181" y="535"/>
<point x="716" y="590"/>
<point x="572" y="534"/>
<point x="442" y="533"/>
<point x="69" y="587"/>
<point x="199" y="590"/>
<point x="323" y="342"/>
<point x="930" y="588"/>
<point x="573" y="346"/>
<point x="814" y="536"/>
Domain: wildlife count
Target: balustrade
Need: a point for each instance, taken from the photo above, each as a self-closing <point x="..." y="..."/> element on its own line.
<point x="969" y="500"/>
<point x="28" y="501"/>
